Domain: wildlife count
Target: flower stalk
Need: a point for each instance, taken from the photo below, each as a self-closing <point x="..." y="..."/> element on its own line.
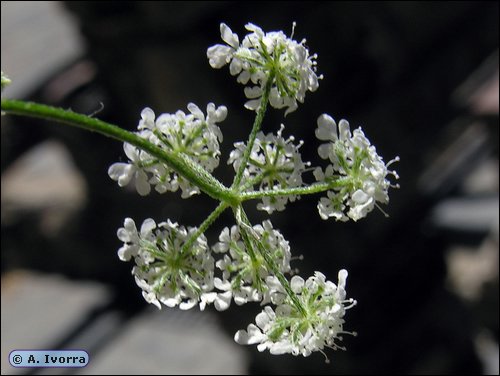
<point x="253" y="134"/>
<point x="180" y="163"/>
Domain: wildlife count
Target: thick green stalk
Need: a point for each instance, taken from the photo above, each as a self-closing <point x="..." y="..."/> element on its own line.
<point x="182" y="164"/>
<point x="255" y="129"/>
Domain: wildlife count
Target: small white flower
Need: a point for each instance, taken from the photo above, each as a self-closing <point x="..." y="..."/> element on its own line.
<point x="263" y="55"/>
<point x="275" y="162"/>
<point x="220" y="55"/>
<point x="123" y="173"/>
<point x="243" y="278"/>
<point x="357" y="173"/>
<point x="287" y="330"/>
<point x="131" y="238"/>
<point x="165" y="271"/>
<point x="192" y="134"/>
<point x="240" y="293"/>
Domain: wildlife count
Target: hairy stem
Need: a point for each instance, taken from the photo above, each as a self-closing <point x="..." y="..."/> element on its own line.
<point x="180" y="163"/>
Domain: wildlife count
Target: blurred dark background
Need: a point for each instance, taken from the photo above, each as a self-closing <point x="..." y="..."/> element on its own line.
<point x="421" y="78"/>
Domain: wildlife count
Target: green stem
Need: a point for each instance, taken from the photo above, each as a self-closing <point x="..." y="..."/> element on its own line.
<point x="251" y="251"/>
<point x="271" y="264"/>
<point x="314" y="188"/>
<point x="255" y="129"/>
<point x="248" y="244"/>
<point x="204" y="226"/>
<point x="182" y="164"/>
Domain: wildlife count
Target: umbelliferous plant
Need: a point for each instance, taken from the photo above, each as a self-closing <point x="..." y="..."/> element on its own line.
<point x="175" y="265"/>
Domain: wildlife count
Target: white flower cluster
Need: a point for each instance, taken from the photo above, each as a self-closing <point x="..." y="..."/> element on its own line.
<point x="285" y="330"/>
<point x="165" y="272"/>
<point x="264" y="55"/>
<point x="360" y="172"/>
<point x="275" y="162"/>
<point x="243" y="278"/>
<point x="171" y="275"/>
<point x="192" y="134"/>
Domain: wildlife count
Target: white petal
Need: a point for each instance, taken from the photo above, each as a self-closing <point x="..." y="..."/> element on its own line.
<point x="344" y="130"/>
<point x="142" y="284"/>
<point x="207" y="298"/>
<point x="342" y="278"/>
<point x="324" y="150"/>
<point x="253" y="92"/>
<point x="141" y="183"/>
<point x="251" y="336"/>
<point x="360" y="197"/>
<point x="151" y="298"/>
<point x="126" y="252"/>
<point x="218" y="114"/>
<point x="123" y="235"/>
<point x="228" y="36"/>
<point x="170" y="302"/>
<point x="240" y="299"/>
<point x="195" y="110"/>
<point x="282" y="347"/>
<point x="222" y="285"/>
<point x="275" y="99"/>
<point x="253" y="104"/>
<point x="188" y="305"/>
<point x="319" y="174"/>
<point x="220" y="247"/>
<point x="121" y="172"/>
<point x="297" y="284"/>
<point x="128" y="232"/>
<point x="131" y="152"/>
<point x="327" y="128"/>
<point x="291" y="107"/>
<point x="235" y="68"/>
<point x="243" y="77"/>
<point x="147" y="119"/>
<point x="262" y="346"/>
<point x="252" y="27"/>
<point x="223" y="301"/>
<point x="129" y="225"/>
<point x="147" y="226"/>
<point x="313" y="82"/>
<point x="219" y="55"/>
<point x="262" y="319"/>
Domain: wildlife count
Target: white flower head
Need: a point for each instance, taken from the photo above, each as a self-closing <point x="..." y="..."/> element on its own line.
<point x="166" y="270"/>
<point x="357" y="173"/>
<point x="193" y="135"/>
<point x="243" y="278"/>
<point x="275" y="163"/>
<point x="288" y="330"/>
<point x="262" y="56"/>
